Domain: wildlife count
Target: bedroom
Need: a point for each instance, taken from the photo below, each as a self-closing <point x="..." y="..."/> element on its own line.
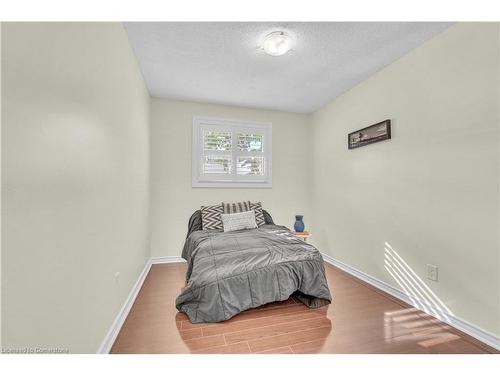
<point x="250" y="187"/>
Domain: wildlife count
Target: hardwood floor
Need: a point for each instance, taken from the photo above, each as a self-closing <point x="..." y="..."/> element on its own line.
<point x="361" y="319"/>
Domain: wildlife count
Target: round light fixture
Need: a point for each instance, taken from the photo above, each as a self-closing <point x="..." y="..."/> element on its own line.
<point x="277" y="43"/>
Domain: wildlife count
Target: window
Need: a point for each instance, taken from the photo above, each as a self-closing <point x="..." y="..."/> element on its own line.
<point x="231" y="153"/>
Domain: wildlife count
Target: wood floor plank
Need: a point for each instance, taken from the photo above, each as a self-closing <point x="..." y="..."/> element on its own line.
<point x="252" y="314"/>
<point x="308" y="347"/>
<point x="282" y="350"/>
<point x="361" y="319"/>
<point x="205" y="343"/>
<point x="456" y="347"/>
<point x="438" y="339"/>
<point x="258" y="322"/>
<point x="277" y="329"/>
<point x="238" y="348"/>
<point x="191" y="333"/>
<point x="187" y="325"/>
<point x="288" y="339"/>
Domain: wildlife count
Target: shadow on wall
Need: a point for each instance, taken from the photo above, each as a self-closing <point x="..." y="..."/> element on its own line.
<point x="419" y="293"/>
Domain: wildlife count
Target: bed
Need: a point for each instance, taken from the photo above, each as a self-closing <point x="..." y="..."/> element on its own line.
<point x="229" y="272"/>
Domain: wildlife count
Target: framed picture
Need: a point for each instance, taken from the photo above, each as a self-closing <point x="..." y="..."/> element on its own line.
<point x="371" y="134"/>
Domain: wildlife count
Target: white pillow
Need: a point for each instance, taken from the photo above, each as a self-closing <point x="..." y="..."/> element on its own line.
<point x="237" y="221"/>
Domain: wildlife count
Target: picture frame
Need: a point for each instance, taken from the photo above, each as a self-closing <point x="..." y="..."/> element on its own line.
<point x="380" y="131"/>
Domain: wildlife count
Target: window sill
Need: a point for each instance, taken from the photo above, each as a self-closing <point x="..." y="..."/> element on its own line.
<point x="232" y="185"/>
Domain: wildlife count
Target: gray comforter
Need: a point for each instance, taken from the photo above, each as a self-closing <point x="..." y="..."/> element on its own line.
<point x="235" y="271"/>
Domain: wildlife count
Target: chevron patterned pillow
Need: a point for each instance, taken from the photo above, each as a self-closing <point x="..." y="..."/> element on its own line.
<point x="232" y="208"/>
<point x="210" y="217"/>
<point x="259" y="214"/>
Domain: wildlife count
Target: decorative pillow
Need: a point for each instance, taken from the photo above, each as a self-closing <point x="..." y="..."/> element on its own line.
<point x="240" y="220"/>
<point x="210" y="217"/>
<point x="231" y="208"/>
<point x="259" y="214"/>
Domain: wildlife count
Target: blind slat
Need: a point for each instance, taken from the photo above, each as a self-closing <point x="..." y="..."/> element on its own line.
<point x="250" y="166"/>
<point x="249" y="142"/>
<point x="216" y="141"/>
<point x="217" y="164"/>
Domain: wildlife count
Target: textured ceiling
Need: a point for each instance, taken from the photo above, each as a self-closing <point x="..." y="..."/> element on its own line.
<point x="222" y="63"/>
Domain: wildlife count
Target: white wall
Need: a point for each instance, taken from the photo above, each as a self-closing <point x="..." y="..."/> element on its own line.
<point x="75" y="172"/>
<point x="173" y="199"/>
<point x="0" y="194"/>
<point x="432" y="191"/>
<point x="498" y="197"/>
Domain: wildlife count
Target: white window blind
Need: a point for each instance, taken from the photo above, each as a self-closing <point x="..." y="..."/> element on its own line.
<point x="231" y="153"/>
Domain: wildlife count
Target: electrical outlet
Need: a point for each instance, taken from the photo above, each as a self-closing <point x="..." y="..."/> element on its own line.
<point x="117" y="276"/>
<point x="432" y="272"/>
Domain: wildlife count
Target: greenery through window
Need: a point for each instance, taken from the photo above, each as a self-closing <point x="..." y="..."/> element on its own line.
<point x="231" y="153"/>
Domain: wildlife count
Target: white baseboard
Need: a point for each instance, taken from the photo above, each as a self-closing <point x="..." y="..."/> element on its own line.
<point x="110" y="337"/>
<point x="486" y="337"/>
<point x="166" y="259"/>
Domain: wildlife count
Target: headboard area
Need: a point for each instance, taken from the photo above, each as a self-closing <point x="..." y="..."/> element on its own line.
<point x="195" y="221"/>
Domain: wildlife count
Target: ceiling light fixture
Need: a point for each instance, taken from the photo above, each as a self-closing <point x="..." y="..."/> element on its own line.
<point x="277" y="43"/>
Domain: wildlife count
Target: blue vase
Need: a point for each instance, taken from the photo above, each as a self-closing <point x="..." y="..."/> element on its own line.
<point x="299" y="224"/>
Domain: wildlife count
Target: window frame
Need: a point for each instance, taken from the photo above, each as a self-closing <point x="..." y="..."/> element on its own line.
<point x="232" y="180"/>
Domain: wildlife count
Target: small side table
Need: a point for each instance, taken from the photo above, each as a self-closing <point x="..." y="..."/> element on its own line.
<point x="302" y="235"/>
